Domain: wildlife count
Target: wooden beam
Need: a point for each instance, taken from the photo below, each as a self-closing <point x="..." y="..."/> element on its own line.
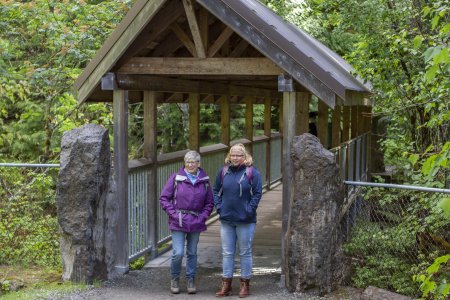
<point x="120" y="119"/>
<point x="322" y="123"/>
<point x="218" y="43"/>
<point x="336" y="127"/>
<point x="288" y="136"/>
<point x="268" y="133"/>
<point x="354" y="122"/>
<point x="163" y="84"/>
<point x="184" y="38"/>
<point x="239" y="49"/>
<point x="194" y="121"/>
<point x="345" y="124"/>
<point x="193" y="25"/>
<point x="196" y="66"/>
<point x="249" y="118"/>
<point x="225" y="120"/>
<point x="302" y="112"/>
<point x="150" y="152"/>
<point x="203" y="25"/>
<point x="264" y="45"/>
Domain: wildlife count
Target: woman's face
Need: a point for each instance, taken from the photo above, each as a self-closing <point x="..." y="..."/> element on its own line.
<point x="192" y="166"/>
<point x="237" y="156"/>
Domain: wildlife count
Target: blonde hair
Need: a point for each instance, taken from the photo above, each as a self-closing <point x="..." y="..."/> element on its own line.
<point x="248" y="158"/>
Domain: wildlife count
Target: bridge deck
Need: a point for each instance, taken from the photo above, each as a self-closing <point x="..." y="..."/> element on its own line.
<point x="267" y="243"/>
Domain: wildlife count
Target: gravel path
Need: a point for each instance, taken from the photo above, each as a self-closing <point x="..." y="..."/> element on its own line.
<point x="153" y="283"/>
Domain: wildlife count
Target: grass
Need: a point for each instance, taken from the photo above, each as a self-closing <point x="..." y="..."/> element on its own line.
<point x="35" y="282"/>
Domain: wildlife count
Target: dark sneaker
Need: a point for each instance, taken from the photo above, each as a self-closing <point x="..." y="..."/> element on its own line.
<point x="175" y="286"/>
<point x="190" y="282"/>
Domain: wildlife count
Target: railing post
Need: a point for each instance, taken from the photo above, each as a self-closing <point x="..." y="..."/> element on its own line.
<point x="120" y="115"/>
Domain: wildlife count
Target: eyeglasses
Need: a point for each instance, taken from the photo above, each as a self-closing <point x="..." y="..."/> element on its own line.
<point x="191" y="162"/>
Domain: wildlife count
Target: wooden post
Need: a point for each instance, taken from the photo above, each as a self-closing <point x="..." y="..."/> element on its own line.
<point x="249" y="118"/>
<point x="346" y="124"/>
<point x="150" y="152"/>
<point x="322" y="123"/>
<point x="336" y="127"/>
<point x="268" y="133"/>
<point x="120" y="116"/>
<point x="225" y="119"/>
<point x="194" y="120"/>
<point x="302" y="112"/>
<point x="289" y="125"/>
<point x="354" y="122"/>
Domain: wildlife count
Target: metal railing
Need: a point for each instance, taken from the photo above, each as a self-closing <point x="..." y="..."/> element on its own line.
<point x="212" y="160"/>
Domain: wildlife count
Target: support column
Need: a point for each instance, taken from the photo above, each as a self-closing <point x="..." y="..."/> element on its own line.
<point x="336" y="127"/>
<point x="322" y="123"/>
<point x="268" y="133"/>
<point x="120" y="118"/>
<point x="150" y="152"/>
<point x="194" y="120"/>
<point x="289" y="125"/>
<point x="249" y="118"/>
<point x="225" y="120"/>
<point x="354" y="122"/>
<point x="346" y="124"/>
<point x="302" y="113"/>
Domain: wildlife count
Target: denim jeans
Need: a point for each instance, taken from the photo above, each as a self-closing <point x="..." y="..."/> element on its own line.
<point x="230" y="233"/>
<point x="178" y="242"/>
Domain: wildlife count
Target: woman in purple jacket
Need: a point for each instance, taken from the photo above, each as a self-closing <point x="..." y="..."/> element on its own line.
<point x="188" y="201"/>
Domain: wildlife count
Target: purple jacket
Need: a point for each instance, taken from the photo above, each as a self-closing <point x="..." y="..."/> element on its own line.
<point x="192" y="205"/>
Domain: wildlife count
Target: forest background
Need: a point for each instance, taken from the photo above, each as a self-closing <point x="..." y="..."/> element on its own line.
<point x="401" y="47"/>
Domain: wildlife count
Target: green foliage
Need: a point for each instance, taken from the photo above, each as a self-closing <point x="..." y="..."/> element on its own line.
<point x="28" y="223"/>
<point x="434" y="281"/>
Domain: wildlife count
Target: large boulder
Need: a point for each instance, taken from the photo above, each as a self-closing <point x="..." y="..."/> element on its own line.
<point x="87" y="210"/>
<point x="314" y="257"/>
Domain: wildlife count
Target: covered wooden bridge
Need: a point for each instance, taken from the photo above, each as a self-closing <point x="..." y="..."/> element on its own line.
<point x="221" y="52"/>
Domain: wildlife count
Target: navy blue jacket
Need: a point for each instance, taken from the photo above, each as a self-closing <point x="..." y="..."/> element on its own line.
<point x="230" y="204"/>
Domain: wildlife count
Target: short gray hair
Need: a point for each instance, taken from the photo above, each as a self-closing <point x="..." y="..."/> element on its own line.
<point x="192" y="155"/>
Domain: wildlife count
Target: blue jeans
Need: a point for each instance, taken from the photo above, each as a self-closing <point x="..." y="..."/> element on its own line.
<point x="178" y="239"/>
<point x="230" y="233"/>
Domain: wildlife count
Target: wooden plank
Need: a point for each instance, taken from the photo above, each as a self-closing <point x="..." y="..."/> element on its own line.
<point x="194" y="121"/>
<point x="353" y="122"/>
<point x="218" y="43"/>
<point x="239" y="49"/>
<point x="345" y="124"/>
<point x="203" y="25"/>
<point x="115" y="47"/>
<point x="288" y="136"/>
<point x="302" y="112"/>
<point x="163" y="84"/>
<point x="120" y="118"/>
<point x="336" y="127"/>
<point x="150" y="152"/>
<point x="193" y="25"/>
<point x="322" y="123"/>
<point x="184" y="38"/>
<point x="249" y="118"/>
<point x="225" y="120"/>
<point x="267" y="132"/>
<point x="196" y="66"/>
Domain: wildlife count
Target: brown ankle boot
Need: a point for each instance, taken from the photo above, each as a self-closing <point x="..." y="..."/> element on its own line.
<point x="225" y="288"/>
<point x="245" y="288"/>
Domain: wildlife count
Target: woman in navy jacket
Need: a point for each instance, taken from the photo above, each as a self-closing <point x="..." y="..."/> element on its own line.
<point x="237" y="192"/>
<point x="188" y="201"/>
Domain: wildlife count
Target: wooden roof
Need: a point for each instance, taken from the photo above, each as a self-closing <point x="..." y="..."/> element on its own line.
<point x="214" y="47"/>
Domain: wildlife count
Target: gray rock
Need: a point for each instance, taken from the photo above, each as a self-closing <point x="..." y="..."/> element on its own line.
<point x="314" y="258"/>
<point x="84" y="199"/>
